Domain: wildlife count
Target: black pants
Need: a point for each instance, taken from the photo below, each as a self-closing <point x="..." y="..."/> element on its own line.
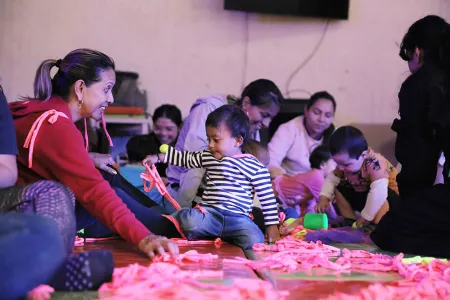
<point x="117" y="181"/>
<point x="144" y="208"/>
<point x="419" y="224"/>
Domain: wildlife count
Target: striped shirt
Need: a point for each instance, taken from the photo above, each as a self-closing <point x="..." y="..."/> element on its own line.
<point x="231" y="183"/>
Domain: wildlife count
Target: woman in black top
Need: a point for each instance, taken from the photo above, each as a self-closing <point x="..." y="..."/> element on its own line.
<point x="420" y="224"/>
<point x="424" y="103"/>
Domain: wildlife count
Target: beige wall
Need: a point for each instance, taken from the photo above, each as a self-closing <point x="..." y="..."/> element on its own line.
<point x="189" y="48"/>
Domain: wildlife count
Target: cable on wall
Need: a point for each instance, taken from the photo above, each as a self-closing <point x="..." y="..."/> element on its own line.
<point x="246" y="44"/>
<point x="305" y="62"/>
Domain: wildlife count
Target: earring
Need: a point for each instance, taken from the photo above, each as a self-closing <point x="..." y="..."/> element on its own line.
<point x="80" y="103"/>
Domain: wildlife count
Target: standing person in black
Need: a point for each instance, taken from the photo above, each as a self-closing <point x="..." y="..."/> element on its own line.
<point x="423" y="103"/>
<point x="420" y="224"/>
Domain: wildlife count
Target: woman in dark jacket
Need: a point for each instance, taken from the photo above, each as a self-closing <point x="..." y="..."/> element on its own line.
<point x="420" y="224"/>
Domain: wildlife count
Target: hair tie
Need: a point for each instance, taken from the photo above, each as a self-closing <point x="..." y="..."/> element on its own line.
<point x="58" y="63"/>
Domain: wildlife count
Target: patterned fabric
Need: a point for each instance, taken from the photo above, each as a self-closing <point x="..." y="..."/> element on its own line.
<point x="45" y="198"/>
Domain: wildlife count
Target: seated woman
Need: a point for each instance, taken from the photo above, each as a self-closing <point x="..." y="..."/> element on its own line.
<point x="292" y="144"/>
<point x="51" y="147"/>
<point x="166" y="125"/>
<point x="37" y="230"/>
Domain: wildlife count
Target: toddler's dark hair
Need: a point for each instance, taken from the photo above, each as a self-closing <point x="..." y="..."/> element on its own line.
<point x="319" y="156"/>
<point x="348" y="139"/>
<point x="231" y="116"/>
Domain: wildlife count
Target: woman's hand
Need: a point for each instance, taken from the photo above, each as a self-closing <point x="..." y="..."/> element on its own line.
<point x="103" y="162"/>
<point x="323" y="205"/>
<point x="272" y="234"/>
<point x="156" y="244"/>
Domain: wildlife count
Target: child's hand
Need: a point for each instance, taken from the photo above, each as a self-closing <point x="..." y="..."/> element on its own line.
<point x="360" y="222"/>
<point x="272" y="234"/>
<point x="323" y="205"/>
<point x="151" y="160"/>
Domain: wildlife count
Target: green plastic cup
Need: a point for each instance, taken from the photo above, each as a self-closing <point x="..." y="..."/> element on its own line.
<point x="315" y="221"/>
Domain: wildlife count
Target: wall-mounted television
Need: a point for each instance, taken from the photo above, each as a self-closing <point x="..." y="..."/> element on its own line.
<point x="328" y="9"/>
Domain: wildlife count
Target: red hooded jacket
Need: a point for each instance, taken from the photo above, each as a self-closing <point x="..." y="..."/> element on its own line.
<point x="56" y="151"/>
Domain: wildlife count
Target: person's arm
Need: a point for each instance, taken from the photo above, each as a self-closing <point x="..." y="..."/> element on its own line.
<point x="327" y="192"/>
<point x="195" y="140"/>
<point x="379" y="176"/>
<point x="8" y="145"/>
<point x="263" y="189"/>
<point x="329" y="186"/>
<point x="184" y="159"/>
<point x="278" y="148"/>
<point x="69" y="163"/>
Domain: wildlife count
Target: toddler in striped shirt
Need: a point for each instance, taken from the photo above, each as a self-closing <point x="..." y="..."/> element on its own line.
<point x="232" y="179"/>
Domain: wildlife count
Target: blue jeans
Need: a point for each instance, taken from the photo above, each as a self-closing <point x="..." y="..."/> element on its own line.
<point x="31" y="250"/>
<point x="151" y="217"/>
<point x="230" y="227"/>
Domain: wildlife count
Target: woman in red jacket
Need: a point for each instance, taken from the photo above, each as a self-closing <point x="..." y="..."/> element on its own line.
<point x="51" y="147"/>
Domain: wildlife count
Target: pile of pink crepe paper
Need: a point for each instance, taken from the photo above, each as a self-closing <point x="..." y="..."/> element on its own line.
<point x="422" y="281"/>
<point x="42" y="292"/>
<point x="292" y="255"/>
<point x="164" y="278"/>
<point x="188" y="256"/>
<point x="167" y="281"/>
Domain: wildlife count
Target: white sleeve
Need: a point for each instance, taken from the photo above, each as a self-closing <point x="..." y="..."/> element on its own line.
<point x="441" y="160"/>
<point x="377" y="195"/>
<point x="330" y="184"/>
<point x="195" y="140"/>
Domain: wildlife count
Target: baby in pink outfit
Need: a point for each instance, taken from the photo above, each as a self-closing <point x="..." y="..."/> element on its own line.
<point x="302" y="190"/>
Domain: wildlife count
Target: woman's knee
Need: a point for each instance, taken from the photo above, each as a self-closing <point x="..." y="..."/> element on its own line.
<point x="57" y="191"/>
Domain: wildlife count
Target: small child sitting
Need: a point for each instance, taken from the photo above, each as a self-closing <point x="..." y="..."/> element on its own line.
<point x="136" y="152"/>
<point x="232" y="179"/>
<point x="364" y="181"/>
<point x="302" y="190"/>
